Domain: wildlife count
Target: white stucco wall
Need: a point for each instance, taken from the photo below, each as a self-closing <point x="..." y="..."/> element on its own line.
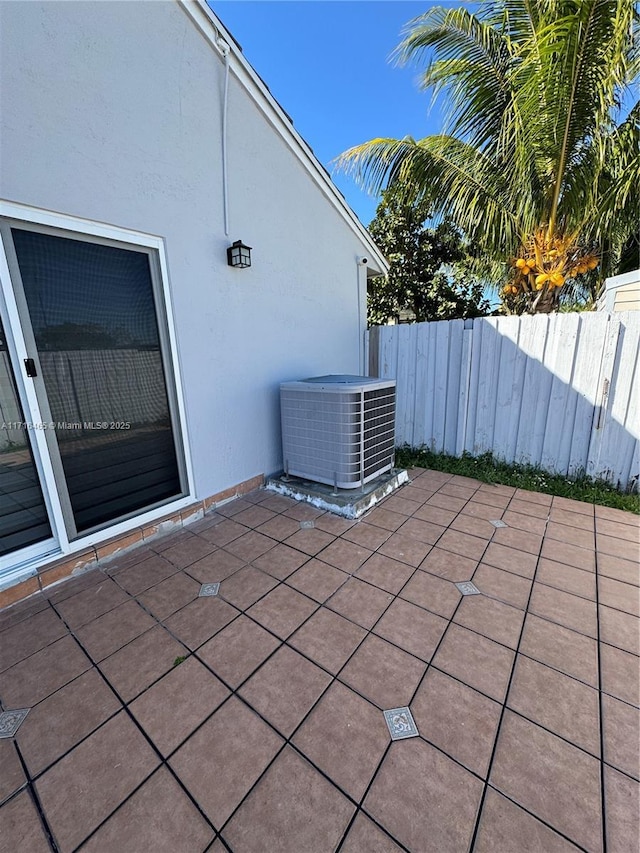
<point x="111" y="111"/>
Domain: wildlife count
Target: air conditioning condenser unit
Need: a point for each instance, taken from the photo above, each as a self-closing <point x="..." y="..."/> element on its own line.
<point x="338" y="430"/>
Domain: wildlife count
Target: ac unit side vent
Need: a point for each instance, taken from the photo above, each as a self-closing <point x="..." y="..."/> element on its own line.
<point x="338" y="430"/>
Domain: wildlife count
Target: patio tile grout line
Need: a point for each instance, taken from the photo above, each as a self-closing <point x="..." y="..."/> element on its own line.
<point x="502" y="716"/>
<point x="35" y="799"/>
<point x="601" y="717"/>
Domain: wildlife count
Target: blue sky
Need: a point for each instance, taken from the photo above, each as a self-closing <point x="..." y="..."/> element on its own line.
<point x="327" y="63"/>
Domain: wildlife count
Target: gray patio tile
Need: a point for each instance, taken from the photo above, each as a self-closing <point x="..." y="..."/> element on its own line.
<point x="174" y="706"/>
<point x="433" y="593"/>
<point x="235" y="739"/>
<point x="23" y="639"/>
<point x="84" y="787"/>
<point x="292" y="809"/>
<point x="505" y="828"/>
<point x="365" y="835"/>
<point x="621" y="735"/>
<point x="360" y="602"/>
<point x="550" y="778"/>
<point x="200" y="620"/>
<point x="12" y="776"/>
<point x="34" y="678"/>
<point x="91" y="603"/>
<point x="114" y="629"/>
<point x="449" y="565"/>
<point x="413" y="629"/>
<point x="158" y="817"/>
<point x="567" y="578"/>
<point x="61" y="721"/>
<point x="424" y="799"/>
<point x="285" y="688"/>
<point x="573" y="612"/>
<point x="383" y="673"/>
<point x="282" y="610"/>
<point x="138" y="664"/>
<point x="619" y="629"/>
<point x="235" y="652"/>
<point x="385" y="573"/>
<point x="623" y="815"/>
<point x="557" y="702"/>
<point x="492" y="618"/>
<point x="406" y="549"/>
<point x="345" y="736"/>
<point x="458" y="720"/>
<point x="476" y="660"/>
<point x="317" y="580"/>
<point x="510" y="559"/>
<point x="328" y="639"/>
<point x="20" y="827"/>
<point x="572" y="653"/>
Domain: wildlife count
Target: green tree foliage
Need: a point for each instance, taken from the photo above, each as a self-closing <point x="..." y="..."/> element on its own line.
<point x="423" y="261"/>
<point x="538" y="161"/>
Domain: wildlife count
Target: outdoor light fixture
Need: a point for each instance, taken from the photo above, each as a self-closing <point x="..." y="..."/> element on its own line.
<point x="239" y="255"/>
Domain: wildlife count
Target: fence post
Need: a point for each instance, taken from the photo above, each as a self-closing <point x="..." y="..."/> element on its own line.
<point x="373" y="337"/>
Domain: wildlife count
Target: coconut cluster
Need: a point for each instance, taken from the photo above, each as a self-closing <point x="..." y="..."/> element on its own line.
<point x="546" y="263"/>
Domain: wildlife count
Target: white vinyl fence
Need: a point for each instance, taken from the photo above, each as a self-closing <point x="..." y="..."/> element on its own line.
<point x="561" y="391"/>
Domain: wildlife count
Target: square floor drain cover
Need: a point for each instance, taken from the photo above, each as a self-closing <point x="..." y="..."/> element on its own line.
<point x="400" y="723"/>
<point x="468" y="588"/>
<point x="497" y="523"/>
<point x="307" y="525"/>
<point x="208" y="589"/>
<point x="10" y="721"/>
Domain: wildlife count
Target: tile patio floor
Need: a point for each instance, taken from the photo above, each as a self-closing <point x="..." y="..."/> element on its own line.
<point x="270" y="736"/>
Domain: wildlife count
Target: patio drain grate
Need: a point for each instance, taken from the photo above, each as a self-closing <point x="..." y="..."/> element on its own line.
<point x="400" y="723"/>
<point x="497" y="523"/>
<point x="10" y="721"/>
<point x="307" y="525"/>
<point x="208" y="589"/>
<point x="468" y="588"/>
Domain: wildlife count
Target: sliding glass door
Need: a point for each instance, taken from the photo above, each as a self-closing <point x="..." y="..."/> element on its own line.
<point x="93" y="321"/>
<point x="24" y="519"/>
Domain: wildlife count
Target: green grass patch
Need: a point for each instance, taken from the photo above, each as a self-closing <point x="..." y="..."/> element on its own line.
<point x="179" y="660"/>
<point x="491" y="470"/>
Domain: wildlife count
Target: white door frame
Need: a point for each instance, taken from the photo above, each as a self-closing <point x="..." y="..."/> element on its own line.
<point x="24" y="563"/>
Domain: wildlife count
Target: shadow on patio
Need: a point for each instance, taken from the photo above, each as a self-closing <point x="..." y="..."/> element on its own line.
<point x="253" y="720"/>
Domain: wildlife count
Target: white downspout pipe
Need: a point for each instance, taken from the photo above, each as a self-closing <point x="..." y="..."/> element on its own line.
<point x="362" y="274"/>
<point x="225" y="51"/>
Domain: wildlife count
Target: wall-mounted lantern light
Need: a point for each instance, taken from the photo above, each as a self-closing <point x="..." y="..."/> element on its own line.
<point x="239" y="255"/>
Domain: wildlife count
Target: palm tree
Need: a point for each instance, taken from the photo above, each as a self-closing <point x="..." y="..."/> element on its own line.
<point x="537" y="163"/>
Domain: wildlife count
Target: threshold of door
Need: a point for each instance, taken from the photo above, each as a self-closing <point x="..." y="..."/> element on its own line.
<point x="349" y="503"/>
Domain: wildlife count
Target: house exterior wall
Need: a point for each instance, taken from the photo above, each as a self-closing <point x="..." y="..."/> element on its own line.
<point x="113" y="113"/>
<point x="621" y="293"/>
